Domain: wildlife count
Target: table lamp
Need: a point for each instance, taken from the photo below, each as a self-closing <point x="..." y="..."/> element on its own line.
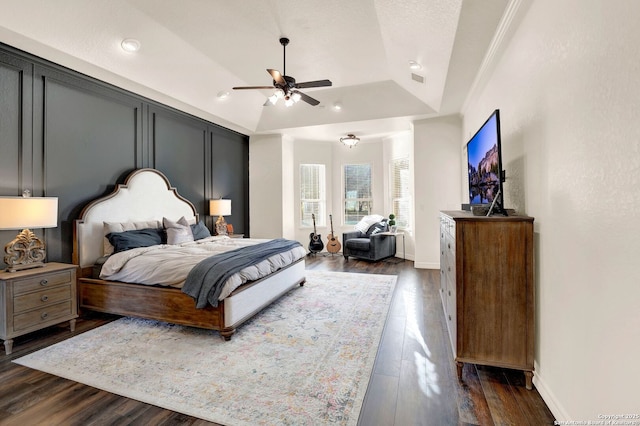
<point x="220" y="208"/>
<point x="27" y="251"/>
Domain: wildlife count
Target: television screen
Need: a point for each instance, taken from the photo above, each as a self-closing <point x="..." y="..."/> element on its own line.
<point x="485" y="162"/>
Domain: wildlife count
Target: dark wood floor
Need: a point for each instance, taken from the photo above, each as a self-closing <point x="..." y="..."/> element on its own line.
<point x="414" y="380"/>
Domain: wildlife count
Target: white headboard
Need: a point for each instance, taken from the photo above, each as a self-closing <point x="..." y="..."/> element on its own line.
<point x="146" y="195"/>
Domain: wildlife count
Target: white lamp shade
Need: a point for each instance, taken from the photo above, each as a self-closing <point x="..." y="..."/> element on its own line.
<point x="28" y="212"/>
<point x="220" y="207"/>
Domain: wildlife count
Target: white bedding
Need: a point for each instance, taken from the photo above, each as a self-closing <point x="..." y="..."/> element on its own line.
<point x="169" y="265"/>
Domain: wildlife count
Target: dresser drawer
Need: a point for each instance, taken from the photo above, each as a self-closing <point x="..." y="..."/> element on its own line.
<point x="42" y="281"/>
<point x="42" y="298"/>
<point x="42" y="316"/>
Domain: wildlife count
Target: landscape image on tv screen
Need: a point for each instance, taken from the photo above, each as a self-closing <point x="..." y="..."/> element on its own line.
<point x="484" y="163"/>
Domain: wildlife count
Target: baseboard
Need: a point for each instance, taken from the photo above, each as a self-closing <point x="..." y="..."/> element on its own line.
<point x="549" y="398"/>
<point x="427" y="265"/>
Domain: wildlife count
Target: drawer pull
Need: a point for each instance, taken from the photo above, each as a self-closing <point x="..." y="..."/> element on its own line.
<point x="44" y="298"/>
<point x="449" y="292"/>
<point x="44" y="282"/>
<point x="44" y="315"/>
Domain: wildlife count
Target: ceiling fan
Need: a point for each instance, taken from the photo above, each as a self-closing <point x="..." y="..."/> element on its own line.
<point x="286" y="86"/>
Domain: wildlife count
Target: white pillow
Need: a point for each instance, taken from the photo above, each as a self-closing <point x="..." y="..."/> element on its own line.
<point x="177" y="232"/>
<point x="367" y="221"/>
<point x="108" y="227"/>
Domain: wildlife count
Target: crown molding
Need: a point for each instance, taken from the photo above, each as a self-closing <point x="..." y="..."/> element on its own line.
<point x="509" y="22"/>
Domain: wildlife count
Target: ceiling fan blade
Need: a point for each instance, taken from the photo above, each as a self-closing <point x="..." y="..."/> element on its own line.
<point x="252" y="87"/>
<point x="277" y="77"/>
<point x="317" y="83"/>
<point x="308" y="99"/>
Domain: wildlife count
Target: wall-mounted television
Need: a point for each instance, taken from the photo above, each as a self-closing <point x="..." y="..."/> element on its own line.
<point x="484" y="162"/>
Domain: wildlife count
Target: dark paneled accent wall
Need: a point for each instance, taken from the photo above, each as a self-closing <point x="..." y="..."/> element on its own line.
<point x="67" y="135"/>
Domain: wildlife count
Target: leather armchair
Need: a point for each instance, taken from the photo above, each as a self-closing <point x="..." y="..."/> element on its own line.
<point x="368" y="245"/>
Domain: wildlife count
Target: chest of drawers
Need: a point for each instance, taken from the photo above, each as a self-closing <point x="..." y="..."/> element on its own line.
<point x="487" y="289"/>
<point x="37" y="298"/>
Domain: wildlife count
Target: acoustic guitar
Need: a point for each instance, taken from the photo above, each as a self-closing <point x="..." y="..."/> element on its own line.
<point x="315" y="244"/>
<point x="333" y="245"/>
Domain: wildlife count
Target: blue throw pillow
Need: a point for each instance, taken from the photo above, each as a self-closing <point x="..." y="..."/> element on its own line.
<point x="377" y="228"/>
<point x="200" y="231"/>
<point x="127" y="240"/>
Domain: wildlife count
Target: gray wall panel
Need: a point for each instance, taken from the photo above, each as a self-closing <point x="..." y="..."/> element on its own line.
<point x="89" y="142"/>
<point x="10" y="119"/>
<point x="179" y="153"/>
<point x="15" y="132"/>
<point x="230" y="176"/>
<point x="67" y="135"/>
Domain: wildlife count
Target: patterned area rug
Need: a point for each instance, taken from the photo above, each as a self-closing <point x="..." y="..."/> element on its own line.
<point x="304" y="360"/>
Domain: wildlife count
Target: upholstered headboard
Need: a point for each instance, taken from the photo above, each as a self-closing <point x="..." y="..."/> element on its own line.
<point x="146" y="195"/>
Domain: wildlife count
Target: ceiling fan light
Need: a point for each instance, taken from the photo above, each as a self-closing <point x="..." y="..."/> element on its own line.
<point x="279" y="94"/>
<point x="296" y="97"/>
<point x="273" y="99"/>
<point x="350" y="140"/>
<point x="288" y="102"/>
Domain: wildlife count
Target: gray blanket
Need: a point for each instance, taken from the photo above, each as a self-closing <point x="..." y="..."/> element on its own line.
<point x="205" y="281"/>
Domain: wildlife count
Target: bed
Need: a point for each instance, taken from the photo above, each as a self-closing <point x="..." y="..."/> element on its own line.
<point x="147" y="197"/>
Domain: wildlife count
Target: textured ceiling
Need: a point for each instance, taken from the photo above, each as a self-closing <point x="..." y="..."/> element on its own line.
<point x="194" y="49"/>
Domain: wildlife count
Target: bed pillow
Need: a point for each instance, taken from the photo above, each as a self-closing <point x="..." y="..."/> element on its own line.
<point x="200" y="231"/>
<point x="177" y="232"/>
<point x="109" y="227"/>
<point x="127" y="240"/>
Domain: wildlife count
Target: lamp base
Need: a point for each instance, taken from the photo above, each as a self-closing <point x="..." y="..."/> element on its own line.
<point x="26" y="251"/>
<point x="221" y="226"/>
<point x="16" y="268"/>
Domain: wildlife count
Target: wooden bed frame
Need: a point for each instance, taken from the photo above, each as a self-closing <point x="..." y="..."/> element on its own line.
<point x="147" y="195"/>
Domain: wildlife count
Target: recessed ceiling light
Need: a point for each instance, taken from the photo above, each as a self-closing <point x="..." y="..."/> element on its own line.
<point x="130" y="45"/>
<point x="337" y="106"/>
<point x="415" y="65"/>
<point x="222" y="95"/>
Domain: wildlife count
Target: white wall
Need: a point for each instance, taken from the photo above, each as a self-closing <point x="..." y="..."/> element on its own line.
<point x="568" y="89"/>
<point x="437" y="153"/>
<point x="270" y="189"/>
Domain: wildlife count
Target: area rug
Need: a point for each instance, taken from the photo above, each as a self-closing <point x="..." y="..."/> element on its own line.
<point x="304" y="360"/>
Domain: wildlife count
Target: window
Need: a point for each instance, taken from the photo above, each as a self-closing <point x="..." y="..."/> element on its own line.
<point x="400" y="192"/>
<point x="312" y="194"/>
<point x="357" y="192"/>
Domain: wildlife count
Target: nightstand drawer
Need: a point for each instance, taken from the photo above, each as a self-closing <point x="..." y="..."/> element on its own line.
<point x="41" y="281"/>
<point x="41" y="298"/>
<point x="42" y="316"/>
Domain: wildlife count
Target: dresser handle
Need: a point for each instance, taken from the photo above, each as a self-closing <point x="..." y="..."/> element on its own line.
<point x="44" y="282"/>
<point x="44" y="298"/>
<point x="449" y="292"/>
<point x="44" y="315"/>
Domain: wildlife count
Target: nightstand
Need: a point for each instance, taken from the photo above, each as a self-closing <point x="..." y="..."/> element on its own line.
<point x="36" y="298"/>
